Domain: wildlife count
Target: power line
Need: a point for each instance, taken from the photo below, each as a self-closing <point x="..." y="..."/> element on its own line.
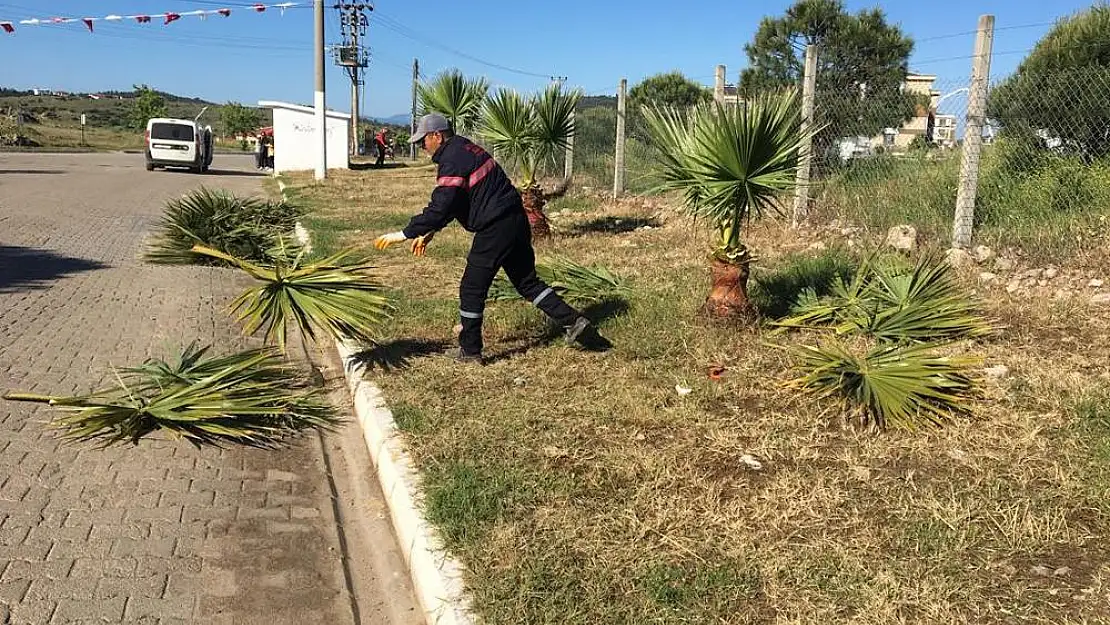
<point x="399" y="28"/>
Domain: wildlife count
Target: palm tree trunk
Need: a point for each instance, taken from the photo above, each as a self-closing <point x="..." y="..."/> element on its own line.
<point x="532" y="196"/>
<point x="729" y="298"/>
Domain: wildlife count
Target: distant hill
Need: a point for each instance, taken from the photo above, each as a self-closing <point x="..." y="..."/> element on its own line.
<point x="403" y="119"/>
<point x="106" y="109"/>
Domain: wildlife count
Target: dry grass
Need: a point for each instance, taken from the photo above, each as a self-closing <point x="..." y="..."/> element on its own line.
<point x="583" y="488"/>
<point x="69" y="137"/>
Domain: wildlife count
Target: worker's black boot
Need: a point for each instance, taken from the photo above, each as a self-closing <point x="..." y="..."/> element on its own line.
<point x="583" y="334"/>
<point x="461" y="355"/>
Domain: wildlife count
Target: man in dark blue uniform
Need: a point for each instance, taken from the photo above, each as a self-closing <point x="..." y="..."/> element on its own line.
<point x="473" y="189"/>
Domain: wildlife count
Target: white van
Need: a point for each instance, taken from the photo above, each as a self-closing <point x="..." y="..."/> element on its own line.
<point x="178" y="143"/>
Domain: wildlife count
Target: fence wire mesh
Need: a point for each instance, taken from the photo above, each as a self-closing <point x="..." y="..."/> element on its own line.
<point x="894" y="155"/>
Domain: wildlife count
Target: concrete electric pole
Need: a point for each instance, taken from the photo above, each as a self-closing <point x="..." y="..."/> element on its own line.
<point x="321" y="116"/>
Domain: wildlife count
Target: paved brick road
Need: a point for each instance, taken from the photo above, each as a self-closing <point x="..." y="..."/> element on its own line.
<point x="160" y="533"/>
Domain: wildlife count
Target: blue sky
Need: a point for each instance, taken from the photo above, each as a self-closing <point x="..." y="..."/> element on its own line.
<point x="249" y="56"/>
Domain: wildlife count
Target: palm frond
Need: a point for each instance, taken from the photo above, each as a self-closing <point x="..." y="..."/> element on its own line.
<point x="923" y="304"/>
<point x="454" y="96"/>
<point x="554" y="121"/>
<point x="244" y="227"/>
<point x="249" y="398"/>
<point x="507" y="125"/>
<point x="893" y="304"/>
<point x="577" y="283"/>
<point x="334" y="295"/>
<point x="905" y="387"/>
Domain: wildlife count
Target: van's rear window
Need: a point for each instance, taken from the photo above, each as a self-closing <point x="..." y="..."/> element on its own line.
<point x="175" y="132"/>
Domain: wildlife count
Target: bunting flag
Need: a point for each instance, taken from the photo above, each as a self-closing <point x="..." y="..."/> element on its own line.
<point x="168" y="17"/>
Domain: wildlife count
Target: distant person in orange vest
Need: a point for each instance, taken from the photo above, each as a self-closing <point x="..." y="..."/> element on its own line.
<point x="381" y="143"/>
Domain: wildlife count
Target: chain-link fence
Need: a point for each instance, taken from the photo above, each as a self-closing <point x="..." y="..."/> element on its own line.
<point x="889" y="157"/>
<point x="899" y="154"/>
<point x="1040" y="178"/>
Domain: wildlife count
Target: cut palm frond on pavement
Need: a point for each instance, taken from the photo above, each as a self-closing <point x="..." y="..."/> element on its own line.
<point x="250" y="398"/>
<point x="334" y="295"/>
<point x="244" y="227"/>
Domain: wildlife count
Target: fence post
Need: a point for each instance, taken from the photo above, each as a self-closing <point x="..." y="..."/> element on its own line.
<point x="805" y="165"/>
<point x="973" y="136"/>
<point x="618" y="159"/>
<point x="568" y="164"/>
<point x="719" y="85"/>
<point x="415" y="98"/>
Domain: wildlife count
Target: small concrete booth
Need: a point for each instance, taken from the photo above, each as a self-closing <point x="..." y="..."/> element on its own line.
<point x="295" y="137"/>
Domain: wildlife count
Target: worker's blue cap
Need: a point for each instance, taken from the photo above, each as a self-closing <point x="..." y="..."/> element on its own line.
<point x="432" y="122"/>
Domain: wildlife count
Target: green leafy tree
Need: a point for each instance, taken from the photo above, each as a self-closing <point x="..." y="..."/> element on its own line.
<point x="147" y="104"/>
<point x="1060" y="91"/>
<point x="670" y="90"/>
<point x="240" y="120"/>
<point x="862" y="64"/>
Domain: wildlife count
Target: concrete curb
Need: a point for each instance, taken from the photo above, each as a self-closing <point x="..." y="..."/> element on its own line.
<point x="437" y="577"/>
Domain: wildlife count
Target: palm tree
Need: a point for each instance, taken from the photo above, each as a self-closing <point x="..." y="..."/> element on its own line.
<point x="527" y="134"/>
<point x="455" y="97"/>
<point x="732" y="163"/>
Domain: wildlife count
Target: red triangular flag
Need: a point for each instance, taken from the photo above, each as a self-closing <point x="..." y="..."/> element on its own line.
<point x="171" y="17"/>
<point x="7" y="26"/>
<point x="224" y="12"/>
<point x="260" y="7"/>
<point x="142" y="19"/>
<point x="88" y="22"/>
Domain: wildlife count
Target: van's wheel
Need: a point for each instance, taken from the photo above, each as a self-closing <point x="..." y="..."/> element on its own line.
<point x="149" y="166"/>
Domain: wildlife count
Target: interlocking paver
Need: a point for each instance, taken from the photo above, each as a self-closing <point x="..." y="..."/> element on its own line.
<point x="162" y="532"/>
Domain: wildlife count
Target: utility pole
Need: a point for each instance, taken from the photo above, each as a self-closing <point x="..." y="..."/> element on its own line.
<point x="353" y="57"/>
<point x="805" y="164"/>
<point x="973" y="136"/>
<point x="415" y="97"/>
<point x="618" y="157"/>
<point x="320" y="99"/>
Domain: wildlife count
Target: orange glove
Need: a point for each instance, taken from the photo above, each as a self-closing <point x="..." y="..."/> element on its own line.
<point x="386" y="240"/>
<point x="420" y="244"/>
